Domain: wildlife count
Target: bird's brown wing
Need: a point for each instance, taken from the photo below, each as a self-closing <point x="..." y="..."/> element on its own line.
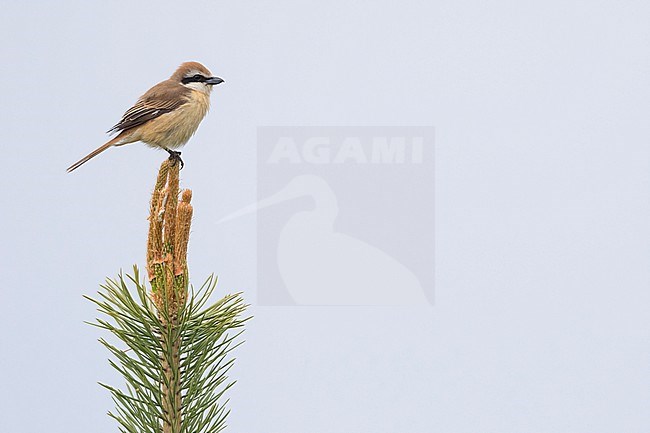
<point x="160" y="99"/>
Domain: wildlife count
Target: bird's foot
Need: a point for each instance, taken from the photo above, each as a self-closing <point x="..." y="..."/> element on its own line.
<point x="175" y="157"/>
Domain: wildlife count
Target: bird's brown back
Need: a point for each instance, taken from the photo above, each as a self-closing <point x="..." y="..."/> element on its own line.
<point x="162" y="98"/>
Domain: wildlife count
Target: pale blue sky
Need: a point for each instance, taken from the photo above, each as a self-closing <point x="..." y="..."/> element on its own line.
<point x="541" y="315"/>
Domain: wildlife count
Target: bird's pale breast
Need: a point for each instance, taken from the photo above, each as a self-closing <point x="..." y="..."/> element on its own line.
<point x="172" y="130"/>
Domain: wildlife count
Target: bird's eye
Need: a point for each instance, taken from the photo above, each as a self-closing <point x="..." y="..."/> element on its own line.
<point x="197" y="77"/>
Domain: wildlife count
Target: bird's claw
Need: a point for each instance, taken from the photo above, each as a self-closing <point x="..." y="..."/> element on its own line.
<point x="175" y="157"/>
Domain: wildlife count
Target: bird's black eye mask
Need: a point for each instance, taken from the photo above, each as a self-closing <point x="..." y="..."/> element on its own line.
<point x="197" y="78"/>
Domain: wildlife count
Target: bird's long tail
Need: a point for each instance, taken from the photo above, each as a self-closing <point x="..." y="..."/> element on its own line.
<point x="92" y="154"/>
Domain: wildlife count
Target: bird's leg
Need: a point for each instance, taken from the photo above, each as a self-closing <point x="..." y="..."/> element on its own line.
<point x="175" y="156"/>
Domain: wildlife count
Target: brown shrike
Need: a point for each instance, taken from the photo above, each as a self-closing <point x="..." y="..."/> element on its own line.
<point x="167" y="115"/>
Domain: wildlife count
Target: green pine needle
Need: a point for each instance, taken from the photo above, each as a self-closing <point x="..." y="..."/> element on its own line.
<point x="204" y="348"/>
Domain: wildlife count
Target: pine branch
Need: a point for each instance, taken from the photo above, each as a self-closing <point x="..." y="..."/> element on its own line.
<point x="173" y="349"/>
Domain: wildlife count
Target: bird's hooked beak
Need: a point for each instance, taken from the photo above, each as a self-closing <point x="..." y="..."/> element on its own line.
<point x="213" y="81"/>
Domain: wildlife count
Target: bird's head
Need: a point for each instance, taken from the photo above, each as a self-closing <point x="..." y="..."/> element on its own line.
<point x="195" y="76"/>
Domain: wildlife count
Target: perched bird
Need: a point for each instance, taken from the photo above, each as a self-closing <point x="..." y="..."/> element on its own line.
<point x="167" y="115"/>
